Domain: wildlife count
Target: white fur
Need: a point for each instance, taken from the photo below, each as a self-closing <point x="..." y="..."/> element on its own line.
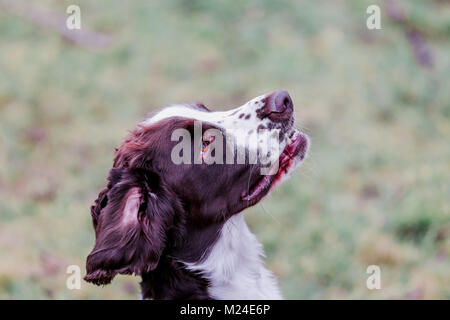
<point x="235" y="267"/>
<point x="225" y="119"/>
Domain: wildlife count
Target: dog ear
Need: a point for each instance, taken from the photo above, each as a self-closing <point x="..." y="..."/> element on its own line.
<point x="131" y="217"/>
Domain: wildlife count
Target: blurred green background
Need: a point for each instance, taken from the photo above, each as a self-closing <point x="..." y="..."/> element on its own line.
<point x="376" y="103"/>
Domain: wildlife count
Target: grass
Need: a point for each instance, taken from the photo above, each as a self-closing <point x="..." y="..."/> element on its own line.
<point x="374" y="190"/>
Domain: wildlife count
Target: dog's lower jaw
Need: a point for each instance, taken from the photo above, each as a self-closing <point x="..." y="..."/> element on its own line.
<point x="234" y="266"/>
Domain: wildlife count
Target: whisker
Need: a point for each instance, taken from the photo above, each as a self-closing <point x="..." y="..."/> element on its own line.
<point x="264" y="209"/>
<point x="249" y="177"/>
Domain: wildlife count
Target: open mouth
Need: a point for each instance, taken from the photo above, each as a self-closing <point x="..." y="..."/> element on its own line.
<point x="292" y="155"/>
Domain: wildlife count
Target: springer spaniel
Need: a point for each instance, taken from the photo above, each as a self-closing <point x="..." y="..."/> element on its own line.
<point x="180" y="225"/>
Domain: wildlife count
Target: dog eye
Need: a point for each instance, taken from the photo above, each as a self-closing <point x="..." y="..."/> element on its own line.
<point x="205" y="144"/>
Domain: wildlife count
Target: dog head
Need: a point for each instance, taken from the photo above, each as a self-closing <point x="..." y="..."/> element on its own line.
<point x="182" y="173"/>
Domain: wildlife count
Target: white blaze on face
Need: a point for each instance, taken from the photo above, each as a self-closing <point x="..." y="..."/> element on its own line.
<point x="241" y="125"/>
<point x="243" y="116"/>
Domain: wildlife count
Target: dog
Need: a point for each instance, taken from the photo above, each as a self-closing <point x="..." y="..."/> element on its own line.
<point x="179" y="226"/>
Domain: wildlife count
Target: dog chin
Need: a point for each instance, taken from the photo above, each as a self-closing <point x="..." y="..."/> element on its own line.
<point x="296" y="161"/>
<point x="290" y="159"/>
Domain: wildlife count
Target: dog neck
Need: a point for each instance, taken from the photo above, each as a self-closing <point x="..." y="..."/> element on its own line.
<point x="234" y="266"/>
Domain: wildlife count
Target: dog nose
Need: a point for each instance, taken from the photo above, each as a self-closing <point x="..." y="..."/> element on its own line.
<point x="278" y="106"/>
<point x="280" y="101"/>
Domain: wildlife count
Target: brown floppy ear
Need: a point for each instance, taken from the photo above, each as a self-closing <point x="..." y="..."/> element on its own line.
<point x="131" y="217"/>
